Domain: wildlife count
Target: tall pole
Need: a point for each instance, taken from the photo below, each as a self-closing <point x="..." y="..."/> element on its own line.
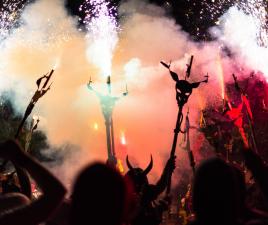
<point x="107" y="102"/>
<point x="112" y="137"/>
<point x="174" y="143"/>
<point x="183" y="91"/>
<point x="29" y="135"/>
<point x="108" y="141"/>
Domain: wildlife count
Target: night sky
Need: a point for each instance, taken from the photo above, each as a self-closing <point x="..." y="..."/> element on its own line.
<point x="194" y="16"/>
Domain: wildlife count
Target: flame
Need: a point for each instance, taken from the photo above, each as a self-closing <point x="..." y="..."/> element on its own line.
<point x="57" y="63"/>
<point x="201" y="101"/>
<point x="120" y="166"/>
<point x="123" y="138"/>
<point x="35" y="117"/>
<point x="202" y="121"/>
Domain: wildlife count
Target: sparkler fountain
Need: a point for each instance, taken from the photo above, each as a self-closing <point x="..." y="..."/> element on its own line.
<point x="100" y="22"/>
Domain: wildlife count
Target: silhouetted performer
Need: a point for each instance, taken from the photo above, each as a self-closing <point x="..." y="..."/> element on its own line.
<point x="147" y="211"/>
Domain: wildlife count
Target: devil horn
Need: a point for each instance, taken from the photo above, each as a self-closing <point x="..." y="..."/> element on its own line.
<point x="149" y="167"/>
<point x="128" y="164"/>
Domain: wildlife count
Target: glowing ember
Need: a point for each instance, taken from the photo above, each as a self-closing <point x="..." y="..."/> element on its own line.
<point x="102" y="34"/>
<point x="57" y="63"/>
<point x="96" y="126"/>
<point x="120" y="166"/>
<point x="35" y="117"/>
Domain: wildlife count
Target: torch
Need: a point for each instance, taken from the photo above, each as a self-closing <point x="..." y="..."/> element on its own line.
<point x="37" y="95"/>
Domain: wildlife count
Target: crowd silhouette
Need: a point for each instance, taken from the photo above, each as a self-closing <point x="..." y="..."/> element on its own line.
<point x="101" y="195"/>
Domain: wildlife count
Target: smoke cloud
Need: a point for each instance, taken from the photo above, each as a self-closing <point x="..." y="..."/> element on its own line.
<point x="48" y="37"/>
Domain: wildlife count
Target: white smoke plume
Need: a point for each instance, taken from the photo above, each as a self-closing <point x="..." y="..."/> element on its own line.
<point x="48" y="36"/>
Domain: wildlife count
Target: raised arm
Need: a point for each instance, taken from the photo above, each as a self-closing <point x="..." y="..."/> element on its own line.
<point x="53" y="191"/>
<point x="167" y="172"/>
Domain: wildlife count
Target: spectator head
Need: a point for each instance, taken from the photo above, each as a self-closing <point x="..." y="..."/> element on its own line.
<point x="98" y="196"/>
<point x="214" y="192"/>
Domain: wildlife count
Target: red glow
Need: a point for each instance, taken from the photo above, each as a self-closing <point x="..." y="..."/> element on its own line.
<point x="236" y="115"/>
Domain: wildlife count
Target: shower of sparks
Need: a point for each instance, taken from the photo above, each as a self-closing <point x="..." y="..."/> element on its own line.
<point x="100" y="22"/>
<point x="257" y="9"/>
<point x="9" y="14"/>
<point x="18" y="23"/>
<point x="36" y="38"/>
<point x="214" y="9"/>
